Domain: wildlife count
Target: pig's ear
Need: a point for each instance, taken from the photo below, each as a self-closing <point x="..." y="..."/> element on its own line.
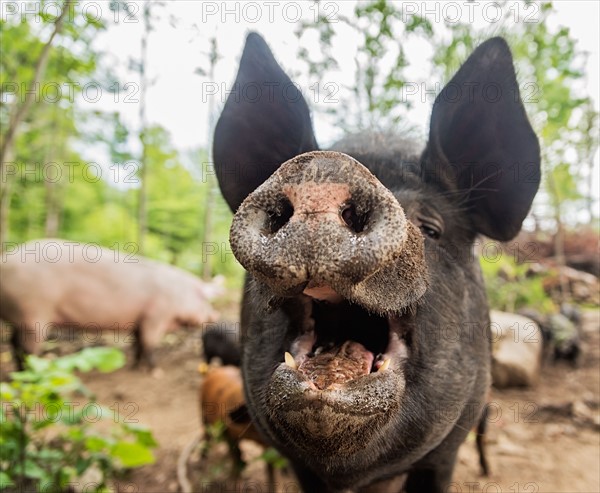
<point x="481" y="143"/>
<point x="264" y="123"/>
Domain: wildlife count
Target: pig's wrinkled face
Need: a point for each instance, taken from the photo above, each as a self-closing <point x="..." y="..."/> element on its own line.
<point x="323" y="233"/>
<point x="358" y="350"/>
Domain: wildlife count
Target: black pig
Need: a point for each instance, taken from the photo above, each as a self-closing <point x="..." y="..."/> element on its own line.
<point x="220" y="342"/>
<point x="366" y="347"/>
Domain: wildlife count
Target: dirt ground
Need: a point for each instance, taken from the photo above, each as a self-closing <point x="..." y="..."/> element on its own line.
<point x="545" y="439"/>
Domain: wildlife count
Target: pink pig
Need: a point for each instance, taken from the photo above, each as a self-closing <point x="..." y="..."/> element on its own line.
<point x="66" y="283"/>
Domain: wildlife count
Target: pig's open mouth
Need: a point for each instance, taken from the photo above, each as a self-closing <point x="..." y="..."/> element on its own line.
<point x="344" y="343"/>
<point x="342" y="378"/>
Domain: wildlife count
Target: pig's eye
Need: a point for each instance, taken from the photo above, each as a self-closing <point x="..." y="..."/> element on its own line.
<point x="430" y="231"/>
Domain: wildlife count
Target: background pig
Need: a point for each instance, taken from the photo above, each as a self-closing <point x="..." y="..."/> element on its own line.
<point x="47" y="282"/>
<point x="221" y="342"/>
<point x="361" y="269"/>
<point x="222" y="400"/>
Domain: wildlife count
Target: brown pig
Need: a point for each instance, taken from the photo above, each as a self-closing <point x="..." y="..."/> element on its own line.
<point x="222" y="400"/>
<point x="64" y="283"/>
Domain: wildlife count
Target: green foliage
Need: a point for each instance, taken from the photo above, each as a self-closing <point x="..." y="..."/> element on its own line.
<point x="273" y="457"/>
<point x="550" y="70"/>
<point x="510" y="287"/>
<point x="216" y="433"/>
<point x="53" y="431"/>
<point x="174" y="197"/>
<point x="376" y="101"/>
<point x="563" y="185"/>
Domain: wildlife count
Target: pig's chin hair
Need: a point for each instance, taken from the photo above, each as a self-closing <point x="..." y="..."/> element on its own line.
<point x="411" y="420"/>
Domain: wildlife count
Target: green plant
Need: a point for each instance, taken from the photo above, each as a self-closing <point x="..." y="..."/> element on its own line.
<point x="273" y="457"/>
<point x="53" y="432"/>
<point x="510" y="286"/>
<point x="215" y="433"/>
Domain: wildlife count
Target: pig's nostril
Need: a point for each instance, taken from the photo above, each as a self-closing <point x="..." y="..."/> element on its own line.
<point x="353" y="219"/>
<point x="280" y="215"/>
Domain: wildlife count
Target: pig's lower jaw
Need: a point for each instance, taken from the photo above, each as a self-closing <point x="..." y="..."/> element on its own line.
<point x="339" y="388"/>
<point x="329" y="428"/>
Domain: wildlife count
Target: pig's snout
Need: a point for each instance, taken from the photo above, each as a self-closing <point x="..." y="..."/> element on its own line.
<point x="322" y="224"/>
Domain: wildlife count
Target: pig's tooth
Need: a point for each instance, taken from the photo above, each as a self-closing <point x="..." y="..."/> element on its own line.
<point x="384" y="366"/>
<point x="290" y="361"/>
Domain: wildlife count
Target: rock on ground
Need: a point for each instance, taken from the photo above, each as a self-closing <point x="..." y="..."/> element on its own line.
<point x="516" y="351"/>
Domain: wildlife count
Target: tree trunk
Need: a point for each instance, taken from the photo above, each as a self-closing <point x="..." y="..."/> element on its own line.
<point x="210" y="192"/>
<point x="52" y="185"/>
<point x="591" y="145"/>
<point x="559" y="255"/>
<point x="143" y="192"/>
<point x="207" y="229"/>
<point x="559" y="239"/>
<point x="5" y="195"/>
<point x="143" y="199"/>
<point x="52" y="222"/>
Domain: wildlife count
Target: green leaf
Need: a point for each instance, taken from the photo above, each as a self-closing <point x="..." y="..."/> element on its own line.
<point x="105" y="359"/>
<point x="66" y="474"/>
<point x="273" y="457"/>
<point x="37" y="365"/>
<point x="132" y="454"/>
<point x="96" y="443"/>
<point x="142" y="434"/>
<point x="49" y="455"/>
<point x="82" y="464"/>
<point x="7" y="393"/>
<point x="73" y="417"/>
<point x="5" y="480"/>
<point x="32" y="470"/>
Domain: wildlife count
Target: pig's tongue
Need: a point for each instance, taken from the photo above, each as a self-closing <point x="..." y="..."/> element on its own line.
<point x="329" y="369"/>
